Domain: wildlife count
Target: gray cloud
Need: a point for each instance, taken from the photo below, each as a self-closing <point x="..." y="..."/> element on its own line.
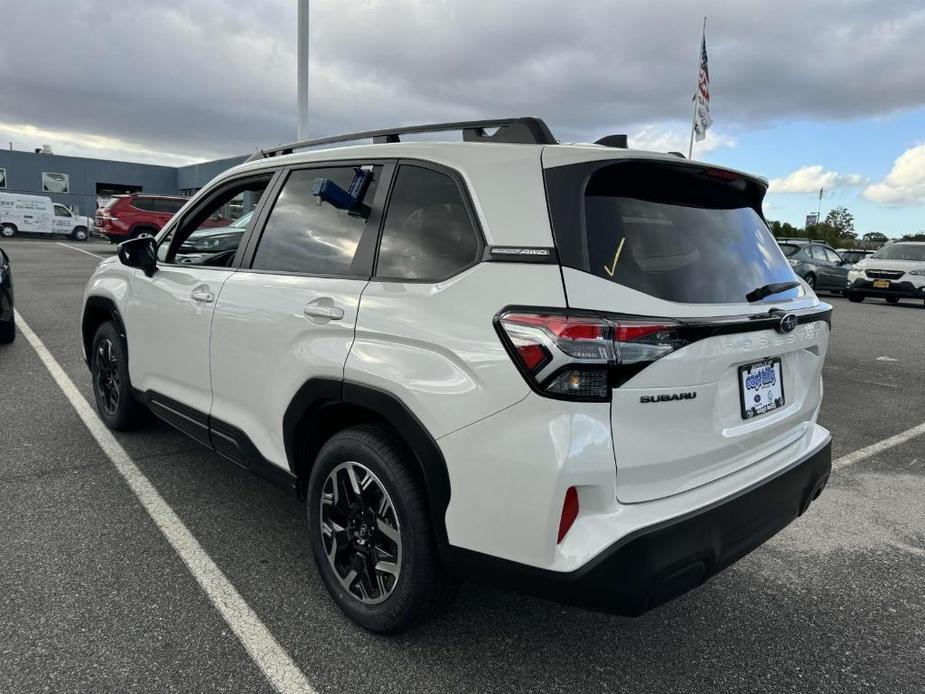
<point x="209" y="77"/>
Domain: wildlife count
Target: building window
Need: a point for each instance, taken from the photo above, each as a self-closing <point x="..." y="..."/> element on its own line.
<point x="2" y="179"/>
<point x="55" y="182"/>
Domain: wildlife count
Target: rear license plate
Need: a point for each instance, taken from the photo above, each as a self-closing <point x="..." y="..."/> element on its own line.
<point x="881" y="284"/>
<point x="761" y="387"/>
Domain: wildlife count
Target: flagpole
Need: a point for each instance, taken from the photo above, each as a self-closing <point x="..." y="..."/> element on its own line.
<point x="819" y="208"/>
<point x="690" y="146"/>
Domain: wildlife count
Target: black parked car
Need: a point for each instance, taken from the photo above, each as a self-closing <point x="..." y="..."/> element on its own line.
<point x="7" y="325"/>
<point x="817" y="263"/>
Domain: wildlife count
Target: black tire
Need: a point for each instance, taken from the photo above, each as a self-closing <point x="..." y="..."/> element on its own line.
<point x="892" y="299"/>
<point x="7" y="330"/>
<point x="80" y="234"/>
<point x="112" y="390"/>
<point x="854" y="297"/>
<point x="421" y="586"/>
<point x="7" y="231"/>
<point x="811" y="280"/>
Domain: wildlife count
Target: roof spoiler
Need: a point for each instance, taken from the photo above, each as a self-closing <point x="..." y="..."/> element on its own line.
<point x="526" y="130"/>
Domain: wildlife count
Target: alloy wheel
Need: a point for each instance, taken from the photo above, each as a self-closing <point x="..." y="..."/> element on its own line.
<point x="360" y="532"/>
<point x="108" y="376"/>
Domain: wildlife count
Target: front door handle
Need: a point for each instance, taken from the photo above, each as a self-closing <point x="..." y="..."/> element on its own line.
<point x="321" y="311"/>
<point x="202" y="295"/>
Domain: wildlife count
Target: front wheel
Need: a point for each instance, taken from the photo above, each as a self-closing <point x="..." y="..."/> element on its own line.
<point x="112" y="390"/>
<point x="811" y="281"/>
<point x="79" y="234"/>
<point x="7" y="231"/>
<point x="854" y="297"/>
<point x="370" y="531"/>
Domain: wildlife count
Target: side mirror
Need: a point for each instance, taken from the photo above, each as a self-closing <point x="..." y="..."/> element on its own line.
<point x="140" y="253"/>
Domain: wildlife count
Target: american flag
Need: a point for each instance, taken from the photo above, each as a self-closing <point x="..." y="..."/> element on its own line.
<point x="702" y="119"/>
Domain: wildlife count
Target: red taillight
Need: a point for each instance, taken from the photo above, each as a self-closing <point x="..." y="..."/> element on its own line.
<point x="581" y="356"/>
<point x="533" y="355"/>
<point x="627" y="332"/>
<point x="569" y="512"/>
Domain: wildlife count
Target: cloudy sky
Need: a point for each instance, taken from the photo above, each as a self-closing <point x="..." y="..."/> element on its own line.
<point x="808" y="93"/>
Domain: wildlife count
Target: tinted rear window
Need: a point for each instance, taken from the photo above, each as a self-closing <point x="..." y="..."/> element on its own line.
<point x="685" y="234"/>
<point x="789" y="249"/>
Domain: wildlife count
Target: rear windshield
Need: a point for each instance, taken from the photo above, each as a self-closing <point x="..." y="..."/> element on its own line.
<point x="789" y="249"/>
<point x="685" y="234"/>
<point x="901" y="251"/>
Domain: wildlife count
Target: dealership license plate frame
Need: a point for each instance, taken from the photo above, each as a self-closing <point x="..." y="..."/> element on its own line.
<point x="778" y="366"/>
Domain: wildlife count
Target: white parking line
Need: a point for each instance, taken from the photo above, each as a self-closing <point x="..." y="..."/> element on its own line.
<point x="875" y="448"/>
<point x="81" y="250"/>
<point x="283" y="674"/>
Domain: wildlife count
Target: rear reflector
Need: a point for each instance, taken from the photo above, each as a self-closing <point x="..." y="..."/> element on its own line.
<point x="569" y="512"/>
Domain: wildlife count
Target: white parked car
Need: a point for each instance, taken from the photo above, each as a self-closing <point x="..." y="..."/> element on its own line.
<point x="575" y="370"/>
<point x="896" y="271"/>
<point x="37" y="214"/>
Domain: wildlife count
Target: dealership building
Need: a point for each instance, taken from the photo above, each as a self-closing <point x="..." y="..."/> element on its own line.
<point x="80" y="182"/>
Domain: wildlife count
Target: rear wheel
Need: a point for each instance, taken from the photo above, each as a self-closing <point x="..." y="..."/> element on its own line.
<point x="892" y="299"/>
<point x="79" y="234"/>
<point x="370" y="531"/>
<point x="855" y="297"/>
<point x="112" y="390"/>
<point x="7" y="231"/>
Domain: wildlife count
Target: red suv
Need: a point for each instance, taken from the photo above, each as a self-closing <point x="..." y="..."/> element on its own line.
<point x="127" y="216"/>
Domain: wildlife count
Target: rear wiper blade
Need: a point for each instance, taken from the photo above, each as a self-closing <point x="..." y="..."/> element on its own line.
<point x="768" y="289"/>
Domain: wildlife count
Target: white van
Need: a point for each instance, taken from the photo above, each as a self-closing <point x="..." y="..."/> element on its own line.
<point x="37" y="214"/>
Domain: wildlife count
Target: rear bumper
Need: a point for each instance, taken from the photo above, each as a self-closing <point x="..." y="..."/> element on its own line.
<point x="658" y="563"/>
<point x="903" y="289"/>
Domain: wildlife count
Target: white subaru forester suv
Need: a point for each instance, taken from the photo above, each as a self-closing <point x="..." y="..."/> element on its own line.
<point x="579" y="371"/>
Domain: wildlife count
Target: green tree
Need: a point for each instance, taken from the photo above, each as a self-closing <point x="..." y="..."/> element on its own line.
<point x="842" y="221"/>
<point x="785" y="230"/>
<point x="914" y="237"/>
<point x="875" y="237"/>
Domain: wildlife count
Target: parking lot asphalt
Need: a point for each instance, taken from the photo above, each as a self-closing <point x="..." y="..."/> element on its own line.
<point x="95" y="599"/>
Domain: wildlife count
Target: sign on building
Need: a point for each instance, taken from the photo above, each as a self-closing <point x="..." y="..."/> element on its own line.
<point x="811" y="220"/>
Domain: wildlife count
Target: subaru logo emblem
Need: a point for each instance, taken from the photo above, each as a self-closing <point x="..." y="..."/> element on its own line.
<point x="787" y="323"/>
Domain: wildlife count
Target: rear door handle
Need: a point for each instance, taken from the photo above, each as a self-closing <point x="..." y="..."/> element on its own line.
<point x="202" y="295"/>
<point x="321" y="311"/>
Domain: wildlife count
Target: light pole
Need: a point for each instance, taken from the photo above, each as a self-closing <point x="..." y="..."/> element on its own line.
<point x="302" y="40"/>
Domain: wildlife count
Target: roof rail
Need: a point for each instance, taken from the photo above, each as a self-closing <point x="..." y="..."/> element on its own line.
<point x="526" y="130"/>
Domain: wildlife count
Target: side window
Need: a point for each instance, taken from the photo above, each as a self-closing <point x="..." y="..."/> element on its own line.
<point x="168" y="205"/>
<point x="202" y="238"/>
<point x="62" y="211"/>
<point x="832" y="256"/>
<point x="428" y="234"/>
<point x="816" y="253"/>
<point x="146" y="204"/>
<point x="306" y="235"/>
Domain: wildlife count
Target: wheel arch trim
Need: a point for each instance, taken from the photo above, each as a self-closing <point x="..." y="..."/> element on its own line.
<point x="316" y="393"/>
<point x="88" y="328"/>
